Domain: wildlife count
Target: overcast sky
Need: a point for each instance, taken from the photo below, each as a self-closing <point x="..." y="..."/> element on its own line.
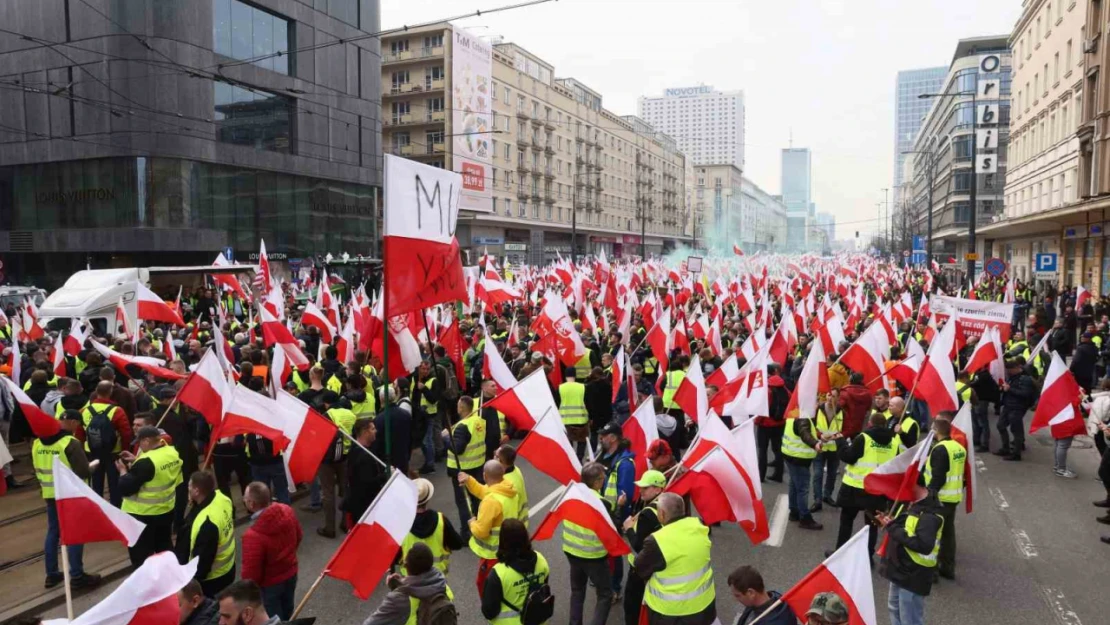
<point x="823" y="69"/>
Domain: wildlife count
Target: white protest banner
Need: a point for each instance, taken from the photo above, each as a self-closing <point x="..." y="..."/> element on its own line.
<point x="974" y="316"/>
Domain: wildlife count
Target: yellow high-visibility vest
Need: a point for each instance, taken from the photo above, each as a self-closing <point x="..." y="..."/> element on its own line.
<point x="685" y="587"/>
<point x="953" y="489"/>
<point x="222" y="515"/>
<point x="572" y="403"/>
<point x="158" y="495"/>
<point x="42" y="457"/>
<point x="874" y="454"/>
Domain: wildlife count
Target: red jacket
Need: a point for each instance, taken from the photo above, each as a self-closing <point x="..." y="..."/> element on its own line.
<point x="856" y="400"/>
<point x="270" y="546"/>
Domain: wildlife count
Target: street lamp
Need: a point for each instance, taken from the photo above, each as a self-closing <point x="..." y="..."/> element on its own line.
<point x="972" y="218"/>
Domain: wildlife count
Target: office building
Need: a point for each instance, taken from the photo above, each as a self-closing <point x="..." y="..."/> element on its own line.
<point x="943" y="153"/>
<point x="797" y="181"/>
<point x="205" y="131"/>
<point x="825" y="230"/>
<point x="707" y="124"/>
<point x="736" y="211"/>
<point x="909" y="111"/>
<point x="544" y="162"/>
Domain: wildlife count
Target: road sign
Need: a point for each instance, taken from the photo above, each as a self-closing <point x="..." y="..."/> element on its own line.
<point x="906" y="253"/>
<point x="229" y="253"/>
<point x="996" y="267"/>
<point x="693" y="264"/>
<point x="1047" y="263"/>
<point x="971" y="256"/>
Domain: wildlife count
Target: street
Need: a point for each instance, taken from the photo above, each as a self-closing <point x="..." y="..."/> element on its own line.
<point x="1029" y="554"/>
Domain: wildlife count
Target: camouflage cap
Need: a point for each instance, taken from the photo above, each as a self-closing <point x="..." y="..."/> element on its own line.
<point x="829" y="606"/>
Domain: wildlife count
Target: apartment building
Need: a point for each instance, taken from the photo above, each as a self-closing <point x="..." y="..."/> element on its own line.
<point x="736" y="211"/>
<point x="708" y="124"/>
<point x="545" y="165"/>
<point x="1043" y="157"/>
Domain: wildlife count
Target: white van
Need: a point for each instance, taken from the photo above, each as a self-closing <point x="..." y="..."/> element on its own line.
<point x="16" y="295"/>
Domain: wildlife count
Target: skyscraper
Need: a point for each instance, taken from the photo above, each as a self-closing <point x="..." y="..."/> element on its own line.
<point x="708" y="125"/>
<point x="910" y="111"/>
<point x="797" y="195"/>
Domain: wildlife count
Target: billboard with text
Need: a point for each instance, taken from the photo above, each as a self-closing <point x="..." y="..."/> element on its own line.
<point x="471" y="118"/>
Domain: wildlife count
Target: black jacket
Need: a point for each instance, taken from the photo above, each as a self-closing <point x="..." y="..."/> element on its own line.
<point x="896" y="565"/>
<point x="780" y="614"/>
<point x="1022" y="392"/>
<point x="207" y="613"/>
<point x="208" y="540"/>
<point x="365" y="479"/>
<point x="647" y="522"/>
<point x="1083" y="363"/>
<point x="849" y="452"/>
<point x="400" y="429"/>
<point x="599" y="402"/>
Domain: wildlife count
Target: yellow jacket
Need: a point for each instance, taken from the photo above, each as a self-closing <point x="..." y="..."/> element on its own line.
<point x="838" y="376"/>
<point x="489" y="511"/>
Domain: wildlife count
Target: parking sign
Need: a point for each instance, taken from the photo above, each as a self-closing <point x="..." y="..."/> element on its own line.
<point x="1046" y="267"/>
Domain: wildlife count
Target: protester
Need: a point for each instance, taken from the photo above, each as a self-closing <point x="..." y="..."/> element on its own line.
<point x="1018" y="396"/>
<point x="498" y="503"/>
<point x="432" y="529"/>
<point x="208" y="534"/>
<point x="747" y="588"/>
<point x="519" y="570"/>
<point x="830" y="421"/>
<point x="196" y="609"/>
<point x="148" y="483"/>
<point x="107" y="433"/>
<point x="240" y="603"/>
<point x="365" y="474"/>
<point x="465" y="453"/>
<point x="424" y="582"/>
<point x="642" y="523"/>
<point x="588" y="559"/>
<point x="862" y="455"/>
<point x="911" y="557"/>
<point x="675" y="564"/>
<point x="270" y="546"/>
<point x="506" y="455"/>
<point x="800" y="446"/>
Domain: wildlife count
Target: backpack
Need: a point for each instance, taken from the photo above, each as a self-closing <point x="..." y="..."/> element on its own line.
<point x="437" y="610"/>
<point x="335" y="450"/>
<point x="539" y="604"/>
<point x="100" y="434"/>
<point x="450" y="383"/>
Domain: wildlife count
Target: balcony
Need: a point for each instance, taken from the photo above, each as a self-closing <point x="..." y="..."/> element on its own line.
<point x="405" y="87"/>
<point x="522" y="166"/>
<point x="537" y="122"/>
<point x="433" y="85"/>
<point x="523" y="141"/>
<point x="536" y="197"/>
<point x="537" y="144"/>
<point x="403" y="150"/>
<point x="548" y="150"/>
<point x="521" y="114"/>
<point x="399" y="120"/>
<point x="437" y="116"/>
<point x="548" y="124"/>
<point x="418" y="54"/>
<point x="548" y="198"/>
<point x="549" y="173"/>
<point x="522" y="193"/>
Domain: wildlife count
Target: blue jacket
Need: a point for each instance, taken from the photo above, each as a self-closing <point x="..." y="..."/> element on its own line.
<point x="626" y="478"/>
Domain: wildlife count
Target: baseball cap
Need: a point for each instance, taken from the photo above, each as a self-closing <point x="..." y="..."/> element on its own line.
<point x="652" y="477"/>
<point x="658" y="447"/>
<point x="829" y="606"/>
<point x="537" y="356"/>
<point x="610" y="428"/>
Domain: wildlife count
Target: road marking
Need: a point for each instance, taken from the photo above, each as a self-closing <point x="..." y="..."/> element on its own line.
<point x="779" y="520"/>
<point x="1024" y="544"/>
<point x="552" y="496"/>
<point x="980" y="465"/>
<point x="1061" y="609"/>
<point x="999" y="498"/>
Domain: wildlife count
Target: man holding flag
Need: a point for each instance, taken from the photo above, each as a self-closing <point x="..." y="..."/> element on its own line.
<point x="910" y="559"/>
<point x="944" y="475"/>
<point x="676" y="567"/>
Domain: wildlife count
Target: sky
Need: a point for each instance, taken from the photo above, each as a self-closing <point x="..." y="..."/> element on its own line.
<point x="821" y="71"/>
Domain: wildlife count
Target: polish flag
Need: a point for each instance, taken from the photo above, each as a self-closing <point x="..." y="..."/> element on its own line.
<point x="868" y="355"/>
<point x="658" y="339"/>
<point x="370" y="547"/>
<point x="327" y="302"/>
<point x="75" y="341"/>
<point x="253" y="413"/>
<point x="722" y="464"/>
<point x="31" y="325"/>
<point x="152" y="308"/>
<point x="404" y="350"/>
<point x="963" y="433"/>
<point x="494" y="367"/>
<point x="494" y="291"/>
<point x="228" y="281"/>
<point x="847" y="572"/>
<point x="147" y="597"/>
<point x="452" y="341"/>
<point x="423" y="266"/>
<point x="274" y="333"/>
<point x="526" y="402"/>
<point x="42" y="424"/>
<point x="582" y="506"/>
<point x="153" y="366"/>
<point x="168" y="349"/>
<point x="1058" y="407"/>
<point x="207" y="390"/>
<point x="813" y="380"/>
<point x="263" y="280"/>
<point x="736" y="250"/>
<point x="554" y="321"/>
<point x="986" y="352"/>
<point x="346" y="344"/>
<point x="690" y="395"/>
<point x="641" y="431"/>
<point x="549" y="450"/>
<point x="905" y="372"/>
<point x="313" y="317"/>
<point x="123" y="320"/>
<point x="310" y="435"/>
<point x="1081" y="297"/>
<point x="727" y="372"/>
<point x="59" y="357"/>
<point x="84" y="517"/>
<point x="713" y="338"/>
<point x="896" y="479"/>
<point x="936" y="384"/>
<point x="619" y="370"/>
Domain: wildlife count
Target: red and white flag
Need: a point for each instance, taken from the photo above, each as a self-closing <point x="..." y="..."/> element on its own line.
<point x="494" y="367"/>
<point x="963" y="433"/>
<point x="122" y="319"/>
<point x="371" y="546"/>
<point x="1081" y="297"/>
<point x="59" y="357"/>
<point x="641" y="431"/>
<point x="582" y="506"/>
<point x="494" y="291"/>
<point x="896" y="479"/>
<point x="147" y="597"/>
<point x="346" y="343"/>
<point x="549" y="450"/>
<point x="1058" y="407"/>
<point x="207" y="390"/>
<point x="868" y="356"/>
<point x="264" y="278"/>
<point x="75" y="340"/>
<point x="936" y="384"/>
<point x="310" y="435"/>
<point x="229" y="281"/>
<point x="84" y="517"/>
<point x="42" y="424"/>
<point x="813" y="380"/>
<point x="906" y="370"/>
<point x="690" y="395"/>
<point x="423" y="266"/>
<point x="847" y="572"/>
<point x="986" y="351"/>
<point x="150" y="307"/>
<point x="274" y="333"/>
<point x="526" y="402"/>
<point x="315" y="318"/>
<point x="554" y="321"/>
<point x="153" y="366"/>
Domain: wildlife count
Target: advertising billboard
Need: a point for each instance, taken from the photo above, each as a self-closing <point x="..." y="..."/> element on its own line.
<point x="472" y="119"/>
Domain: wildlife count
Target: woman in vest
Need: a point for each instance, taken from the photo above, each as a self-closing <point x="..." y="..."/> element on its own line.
<point x="519" y="570"/>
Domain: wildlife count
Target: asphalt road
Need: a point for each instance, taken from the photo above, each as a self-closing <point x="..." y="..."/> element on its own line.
<point x="1029" y="553"/>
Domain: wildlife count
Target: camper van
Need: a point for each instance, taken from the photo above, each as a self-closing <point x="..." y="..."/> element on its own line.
<point x="94" y="293"/>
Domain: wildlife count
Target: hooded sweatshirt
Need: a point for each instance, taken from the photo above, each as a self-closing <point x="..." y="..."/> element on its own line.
<point x="425" y="524"/>
<point x="490" y="513"/>
<point x="397" y="605"/>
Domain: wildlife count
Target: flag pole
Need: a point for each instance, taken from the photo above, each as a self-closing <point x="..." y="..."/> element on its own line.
<point x="359" y="445"/>
<point x="166" y="412"/>
<point x="69" y="590"/>
<point x="312" y="589"/>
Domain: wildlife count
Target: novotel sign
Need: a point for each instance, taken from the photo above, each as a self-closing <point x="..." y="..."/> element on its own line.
<point x="686" y="91"/>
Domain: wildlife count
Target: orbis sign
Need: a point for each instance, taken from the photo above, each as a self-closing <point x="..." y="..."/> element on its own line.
<point x="687" y="91"/>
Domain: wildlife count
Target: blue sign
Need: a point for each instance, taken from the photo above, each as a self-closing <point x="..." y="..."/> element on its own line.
<point x="229" y="254"/>
<point x="487" y="240"/>
<point x="918" y="257"/>
<point x="1047" y="263"/>
<point x="995" y="267"/>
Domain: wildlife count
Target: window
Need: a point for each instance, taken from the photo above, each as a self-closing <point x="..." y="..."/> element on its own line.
<point x="399" y="46"/>
<point x="1046" y="78"/>
<point x="398" y="79"/>
<point x="253" y="118"/>
<point x="508" y="207"/>
<point x="494" y="92"/>
<point x="1067" y="58"/>
<point x="399" y="109"/>
<point x="1056" y="68"/>
<point x="241" y="31"/>
<point x="433" y="74"/>
<point x="433" y="41"/>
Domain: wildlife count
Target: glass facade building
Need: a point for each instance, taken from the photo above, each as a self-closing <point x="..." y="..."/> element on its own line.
<point x="909" y="111"/>
<point x="279" y="143"/>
